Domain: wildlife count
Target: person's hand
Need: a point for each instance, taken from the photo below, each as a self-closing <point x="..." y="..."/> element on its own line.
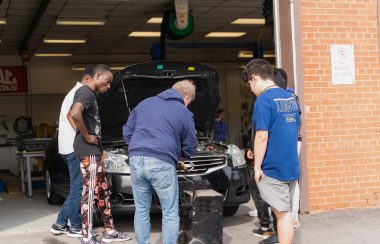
<point x="250" y="154"/>
<point x="258" y="175"/>
<point x="104" y="155"/>
<point x="92" y="139"/>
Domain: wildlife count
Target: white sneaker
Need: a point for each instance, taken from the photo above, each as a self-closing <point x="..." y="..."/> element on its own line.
<point x="252" y="213"/>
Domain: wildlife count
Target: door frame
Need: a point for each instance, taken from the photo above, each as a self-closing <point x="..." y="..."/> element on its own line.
<point x="288" y="47"/>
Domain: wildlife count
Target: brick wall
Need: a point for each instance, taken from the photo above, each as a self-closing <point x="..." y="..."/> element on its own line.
<point x="342" y="121"/>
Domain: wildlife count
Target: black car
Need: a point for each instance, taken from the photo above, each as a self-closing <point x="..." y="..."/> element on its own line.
<point x="222" y="167"/>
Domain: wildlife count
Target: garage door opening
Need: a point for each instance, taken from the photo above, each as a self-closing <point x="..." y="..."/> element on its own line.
<point x="51" y="42"/>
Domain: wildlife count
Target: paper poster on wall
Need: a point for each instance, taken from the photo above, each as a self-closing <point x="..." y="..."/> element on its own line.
<point x="13" y="79"/>
<point x="342" y="64"/>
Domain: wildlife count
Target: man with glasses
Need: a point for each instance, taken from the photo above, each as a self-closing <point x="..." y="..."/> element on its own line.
<point x="276" y="121"/>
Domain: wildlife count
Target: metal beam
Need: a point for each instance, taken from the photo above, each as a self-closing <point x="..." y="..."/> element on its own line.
<point x="36" y="20"/>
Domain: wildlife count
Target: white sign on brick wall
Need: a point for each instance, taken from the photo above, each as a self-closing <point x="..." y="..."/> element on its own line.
<point x="342" y="64"/>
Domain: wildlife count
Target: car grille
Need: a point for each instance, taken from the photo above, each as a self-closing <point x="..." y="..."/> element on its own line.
<point x="199" y="165"/>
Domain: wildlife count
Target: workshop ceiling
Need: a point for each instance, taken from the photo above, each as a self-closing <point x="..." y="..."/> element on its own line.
<point x="122" y="17"/>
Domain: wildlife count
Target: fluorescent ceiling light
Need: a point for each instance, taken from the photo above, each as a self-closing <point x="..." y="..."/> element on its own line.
<point x="155" y="20"/>
<point x="82" y="68"/>
<point x="145" y="34"/>
<point x="76" y="41"/>
<point x="249" y="54"/>
<point x="80" y="22"/>
<point x="117" y="67"/>
<point x="226" y="34"/>
<point x="269" y="55"/>
<point x="53" y="54"/>
<point x="246" y="21"/>
<point x="78" y="68"/>
<point x="245" y="54"/>
<point x="3" y="21"/>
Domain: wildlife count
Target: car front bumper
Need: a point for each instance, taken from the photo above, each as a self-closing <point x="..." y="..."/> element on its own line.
<point x="231" y="182"/>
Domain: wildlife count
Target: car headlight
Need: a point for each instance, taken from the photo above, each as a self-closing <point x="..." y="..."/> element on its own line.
<point x="237" y="156"/>
<point x="116" y="163"/>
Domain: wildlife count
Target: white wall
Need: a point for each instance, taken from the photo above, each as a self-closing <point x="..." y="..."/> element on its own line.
<point x="50" y="79"/>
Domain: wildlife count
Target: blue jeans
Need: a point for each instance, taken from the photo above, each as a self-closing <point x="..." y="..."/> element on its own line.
<point x="71" y="207"/>
<point x="150" y="174"/>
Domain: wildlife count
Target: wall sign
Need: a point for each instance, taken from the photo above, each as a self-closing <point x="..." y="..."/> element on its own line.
<point x="342" y="64"/>
<point x="13" y="79"/>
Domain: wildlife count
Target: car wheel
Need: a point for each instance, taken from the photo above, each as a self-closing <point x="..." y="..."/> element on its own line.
<point x="229" y="211"/>
<point x="96" y="218"/>
<point x="52" y="198"/>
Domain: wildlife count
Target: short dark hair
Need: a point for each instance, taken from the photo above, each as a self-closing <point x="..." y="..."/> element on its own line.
<point x="88" y="71"/>
<point x="258" y="67"/>
<point x="100" y="68"/>
<point x="280" y="78"/>
<point x="219" y="111"/>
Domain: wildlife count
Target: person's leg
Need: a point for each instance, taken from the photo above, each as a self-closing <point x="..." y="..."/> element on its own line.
<point x="87" y="168"/>
<point x="295" y="199"/>
<point x="75" y="194"/>
<point x="261" y="206"/>
<point x="274" y="222"/>
<point x="64" y="213"/>
<point x="102" y="193"/>
<point x="285" y="227"/>
<point x="277" y="194"/>
<point x="163" y="178"/>
<point x="142" y="196"/>
<point x="102" y="196"/>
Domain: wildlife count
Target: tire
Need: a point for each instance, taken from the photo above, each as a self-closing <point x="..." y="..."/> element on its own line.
<point x="230" y="211"/>
<point x="96" y="218"/>
<point x="51" y="197"/>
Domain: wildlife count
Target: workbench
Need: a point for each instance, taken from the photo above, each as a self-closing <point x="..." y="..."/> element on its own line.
<point x="25" y="157"/>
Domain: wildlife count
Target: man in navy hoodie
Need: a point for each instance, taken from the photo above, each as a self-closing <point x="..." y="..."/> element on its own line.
<point x="159" y="131"/>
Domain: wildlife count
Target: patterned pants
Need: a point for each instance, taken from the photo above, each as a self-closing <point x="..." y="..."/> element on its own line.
<point x="95" y="190"/>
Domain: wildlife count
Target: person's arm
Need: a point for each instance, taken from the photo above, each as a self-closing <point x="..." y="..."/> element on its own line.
<point x="261" y="118"/>
<point x="250" y="154"/>
<point x="129" y="127"/>
<point x="261" y="141"/>
<point x="76" y="116"/>
<point x="71" y="121"/>
<point x="189" y="141"/>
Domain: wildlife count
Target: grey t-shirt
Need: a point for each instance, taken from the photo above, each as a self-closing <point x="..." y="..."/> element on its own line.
<point x="82" y="148"/>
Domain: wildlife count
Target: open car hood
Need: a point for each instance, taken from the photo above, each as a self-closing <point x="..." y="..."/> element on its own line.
<point x="145" y="80"/>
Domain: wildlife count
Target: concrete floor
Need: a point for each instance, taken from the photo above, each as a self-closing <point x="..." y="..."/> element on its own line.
<point x="24" y="220"/>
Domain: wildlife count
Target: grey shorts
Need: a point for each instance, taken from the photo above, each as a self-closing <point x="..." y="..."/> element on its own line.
<point x="278" y="194"/>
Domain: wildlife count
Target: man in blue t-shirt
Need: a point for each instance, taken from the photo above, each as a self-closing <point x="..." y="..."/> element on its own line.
<point x="276" y="121"/>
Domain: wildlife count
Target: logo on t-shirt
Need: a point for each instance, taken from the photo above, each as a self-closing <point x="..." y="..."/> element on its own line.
<point x="290" y="118"/>
<point x="286" y="105"/>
